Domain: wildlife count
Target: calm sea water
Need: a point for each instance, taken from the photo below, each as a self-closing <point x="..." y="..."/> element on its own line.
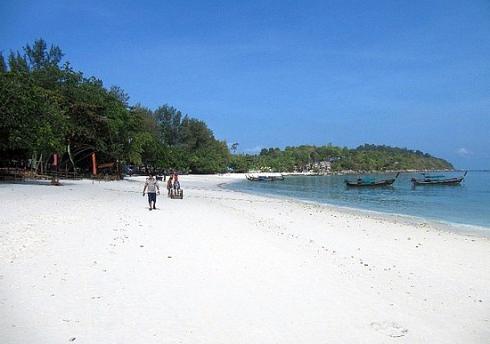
<point x="468" y="203"/>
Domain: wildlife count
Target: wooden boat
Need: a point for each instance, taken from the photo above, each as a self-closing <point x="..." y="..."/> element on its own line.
<point x="264" y="177"/>
<point x="438" y="180"/>
<point x="370" y="181"/>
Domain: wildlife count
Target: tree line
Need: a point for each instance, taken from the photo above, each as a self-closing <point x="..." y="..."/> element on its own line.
<point x="48" y="107"/>
<point x="333" y="158"/>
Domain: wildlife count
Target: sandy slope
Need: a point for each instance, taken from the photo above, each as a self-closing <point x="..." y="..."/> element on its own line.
<point x="89" y="263"/>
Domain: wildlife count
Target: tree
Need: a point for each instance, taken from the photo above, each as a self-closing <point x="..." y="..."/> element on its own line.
<point x="39" y="57"/>
<point x="170" y="121"/>
<point x="31" y="118"/>
<point x="143" y="144"/>
<point x="3" y="65"/>
<point x="17" y="63"/>
<point x="120" y="95"/>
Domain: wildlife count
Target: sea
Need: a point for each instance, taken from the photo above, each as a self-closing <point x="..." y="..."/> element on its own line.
<point x="465" y="206"/>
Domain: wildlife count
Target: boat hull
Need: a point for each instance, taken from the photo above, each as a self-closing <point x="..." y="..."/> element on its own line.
<point x="264" y="178"/>
<point x="386" y="182"/>
<point x="452" y="181"/>
<point x="371" y="183"/>
<point x="431" y="181"/>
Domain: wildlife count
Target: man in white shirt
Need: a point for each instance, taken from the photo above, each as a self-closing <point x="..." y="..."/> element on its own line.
<point x="152" y="186"/>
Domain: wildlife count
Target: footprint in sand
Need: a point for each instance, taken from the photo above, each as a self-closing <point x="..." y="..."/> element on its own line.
<point x="390" y="329"/>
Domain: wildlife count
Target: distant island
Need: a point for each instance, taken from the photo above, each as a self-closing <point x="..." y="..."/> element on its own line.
<point x="333" y="159"/>
<point x="54" y="115"/>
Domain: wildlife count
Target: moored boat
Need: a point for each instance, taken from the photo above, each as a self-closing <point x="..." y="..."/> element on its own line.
<point x="438" y="180"/>
<point x="371" y="181"/>
<point x="269" y="177"/>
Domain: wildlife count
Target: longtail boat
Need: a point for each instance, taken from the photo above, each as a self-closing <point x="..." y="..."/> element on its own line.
<point x="264" y="177"/>
<point x="371" y="181"/>
<point x="438" y="180"/>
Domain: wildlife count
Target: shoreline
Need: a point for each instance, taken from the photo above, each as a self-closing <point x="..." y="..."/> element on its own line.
<point x="446" y="226"/>
<point x="418" y="221"/>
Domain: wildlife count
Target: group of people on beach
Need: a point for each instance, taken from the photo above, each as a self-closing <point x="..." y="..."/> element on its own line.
<point x="152" y="189"/>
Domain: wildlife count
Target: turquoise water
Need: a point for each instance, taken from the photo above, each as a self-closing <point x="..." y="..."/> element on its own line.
<point x="468" y="203"/>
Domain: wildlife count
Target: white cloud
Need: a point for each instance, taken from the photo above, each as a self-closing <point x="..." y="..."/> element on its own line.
<point x="463" y="152"/>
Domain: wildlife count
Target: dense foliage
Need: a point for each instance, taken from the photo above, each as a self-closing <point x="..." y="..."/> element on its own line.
<point x="332" y="158"/>
<point x="46" y="107"/>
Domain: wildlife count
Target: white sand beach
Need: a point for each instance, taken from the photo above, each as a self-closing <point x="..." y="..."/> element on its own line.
<point x="89" y="263"/>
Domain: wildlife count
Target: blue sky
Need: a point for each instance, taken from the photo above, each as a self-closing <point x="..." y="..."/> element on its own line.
<point x="413" y="74"/>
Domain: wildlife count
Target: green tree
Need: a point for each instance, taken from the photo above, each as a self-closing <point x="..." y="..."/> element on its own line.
<point x="3" y="64"/>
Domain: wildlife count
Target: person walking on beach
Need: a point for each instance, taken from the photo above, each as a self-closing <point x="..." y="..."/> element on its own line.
<point x="151" y="186"/>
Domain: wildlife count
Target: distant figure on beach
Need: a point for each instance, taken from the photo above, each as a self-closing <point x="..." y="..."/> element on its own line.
<point x="152" y="186"/>
<point x="169" y="184"/>
<point x="176" y="183"/>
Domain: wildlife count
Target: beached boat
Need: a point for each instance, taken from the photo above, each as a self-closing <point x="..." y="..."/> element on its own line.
<point x="371" y="181"/>
<point x="438" y="180"/>
<point x="264" y="177"/>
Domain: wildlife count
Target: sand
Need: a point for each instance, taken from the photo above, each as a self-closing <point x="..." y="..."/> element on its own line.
<point x="89" y="263"/>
